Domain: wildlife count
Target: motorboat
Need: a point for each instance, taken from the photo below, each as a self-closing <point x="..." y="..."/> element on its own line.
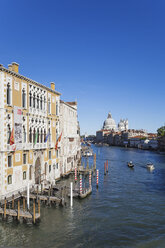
<point x="130" y="164"/>
<point x="150" y="166"/>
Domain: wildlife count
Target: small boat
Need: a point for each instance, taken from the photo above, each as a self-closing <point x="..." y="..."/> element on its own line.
<point x="150" y="166"/>
<point x="85" y="193"/>
<point x="130" y="164"/>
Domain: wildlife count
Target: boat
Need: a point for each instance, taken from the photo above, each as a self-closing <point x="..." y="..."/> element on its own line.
<point x="85" y="193"/>
<point x="87" y="153"/>
<point x="150" y="166"/>
<point x="130" y="164"/>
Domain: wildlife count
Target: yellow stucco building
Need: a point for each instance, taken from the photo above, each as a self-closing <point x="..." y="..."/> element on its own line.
<point x="30" y="112"/>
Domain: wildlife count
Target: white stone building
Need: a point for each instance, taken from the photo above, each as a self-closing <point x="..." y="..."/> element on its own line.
<point x="70" y="148"/>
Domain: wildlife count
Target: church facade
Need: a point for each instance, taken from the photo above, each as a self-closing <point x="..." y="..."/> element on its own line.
<point x="109" y="126"/>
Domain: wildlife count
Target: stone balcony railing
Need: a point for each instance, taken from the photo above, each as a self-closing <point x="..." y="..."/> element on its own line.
<point x="26" y="146"/>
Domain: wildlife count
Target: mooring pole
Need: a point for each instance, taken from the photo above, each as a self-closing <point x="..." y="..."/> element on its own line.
<point x="97" y="181"/>
<point x="28" y="205"/>
<point x="80" y="184"/>
<point x="107" y="166"/>
<point x="90" y="178"/>
<point x="71" y="194"/>
<point x="5" y="209"/>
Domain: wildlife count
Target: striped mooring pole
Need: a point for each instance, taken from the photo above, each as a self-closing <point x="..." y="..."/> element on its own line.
<point x="75" y="174"/>
<point x="80" y="184"/>
<point x="90" y="179"/>
<point x="97" y="178"/>
<point x="107" y="166"/>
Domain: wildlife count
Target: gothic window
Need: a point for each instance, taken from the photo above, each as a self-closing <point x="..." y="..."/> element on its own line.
<point x="30" y="99"/>
<point x="38" y="136"/>
<point x="44" y="103"/>
<point x="34" y="135"/>
<point x="49" y="154"/>
<point x="41" y="102"/>
<point x="41" y="136"/>
<point x="23" y="98"/>
<point x="8" y="134"/>
<point x="38" y="101"/>
<point x="30" y="135"/>
<point x="34" y="100"/>
<point x="44" y="135"/>
<point x="8" y="94"/>
<point x="24" y="134"/>
<point x="49" y="136"/>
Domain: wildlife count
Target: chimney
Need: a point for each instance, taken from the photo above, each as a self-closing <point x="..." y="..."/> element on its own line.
<point x="10" y="67"/>
<point x="15" y="67"/>
<point x="52" y="85"/>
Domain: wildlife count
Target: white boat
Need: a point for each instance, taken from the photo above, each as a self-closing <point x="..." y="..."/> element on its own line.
<point x="150" y="166"/>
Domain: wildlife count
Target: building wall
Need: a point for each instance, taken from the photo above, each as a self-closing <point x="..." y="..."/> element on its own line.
<point x="70" y="139"/>
<point x="35" y="119"/>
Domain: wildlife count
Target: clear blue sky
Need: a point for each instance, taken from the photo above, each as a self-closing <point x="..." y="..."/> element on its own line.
<point x="109" y="55"/>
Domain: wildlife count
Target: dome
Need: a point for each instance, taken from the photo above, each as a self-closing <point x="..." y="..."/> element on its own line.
<point x="109" y="123"/>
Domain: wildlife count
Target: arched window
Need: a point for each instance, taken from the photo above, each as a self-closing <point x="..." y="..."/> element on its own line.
<point x="49" y="136"/>
<point x="9" y="179"/>
<point x="24" y="175"/>
<point x="38" y="135"/>
<point x="41" y="102"/>
<point x="8" y="94"/>
<point x="30" y="135"/>
<point x="8" y="134"/>
<point x="44" y="103"/>
<point x="41" y="136"/>
<point x="34" y="100"/>
<point x="38" y="101"/>
<point x="34" y="135"/>
<point x="24" y="134"/>
<point x="23" y="98"/>
<point x="30" y="99"/>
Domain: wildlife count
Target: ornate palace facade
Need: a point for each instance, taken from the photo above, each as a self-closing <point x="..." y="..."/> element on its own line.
<point x="29" y="131"/>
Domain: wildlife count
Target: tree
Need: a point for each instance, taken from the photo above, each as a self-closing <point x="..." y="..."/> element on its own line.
<point x="161" y="131"/>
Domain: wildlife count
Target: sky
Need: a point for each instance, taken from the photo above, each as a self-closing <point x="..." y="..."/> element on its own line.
<point x="108" y="55"/>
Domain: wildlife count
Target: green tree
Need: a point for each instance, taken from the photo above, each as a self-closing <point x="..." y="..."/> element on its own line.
<point x="161" y="131"/>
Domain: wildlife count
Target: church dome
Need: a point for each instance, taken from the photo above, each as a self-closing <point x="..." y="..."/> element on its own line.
<point x="109" y="123"/>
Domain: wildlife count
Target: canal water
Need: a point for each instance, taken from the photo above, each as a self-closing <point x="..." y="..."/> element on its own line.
<point x="127" y="210"/>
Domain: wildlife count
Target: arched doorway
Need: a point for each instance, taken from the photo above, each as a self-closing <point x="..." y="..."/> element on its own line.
<point x="37" y="171"/>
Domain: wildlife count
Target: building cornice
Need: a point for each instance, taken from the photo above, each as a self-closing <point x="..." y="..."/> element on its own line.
<point x="29" y="80"/>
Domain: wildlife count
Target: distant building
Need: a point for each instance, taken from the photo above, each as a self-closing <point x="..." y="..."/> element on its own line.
<point x="70" y="136"/>
<point x="109" y="126"/>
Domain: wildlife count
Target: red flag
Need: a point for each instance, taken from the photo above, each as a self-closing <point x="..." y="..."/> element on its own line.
<point x="12" y="137"/>
<point x="59" y="139"/>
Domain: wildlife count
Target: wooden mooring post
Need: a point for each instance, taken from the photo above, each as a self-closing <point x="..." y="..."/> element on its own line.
<point x="34" y="212"/>
<point x="5" y="209"/>
<point x="18" y="214"/>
